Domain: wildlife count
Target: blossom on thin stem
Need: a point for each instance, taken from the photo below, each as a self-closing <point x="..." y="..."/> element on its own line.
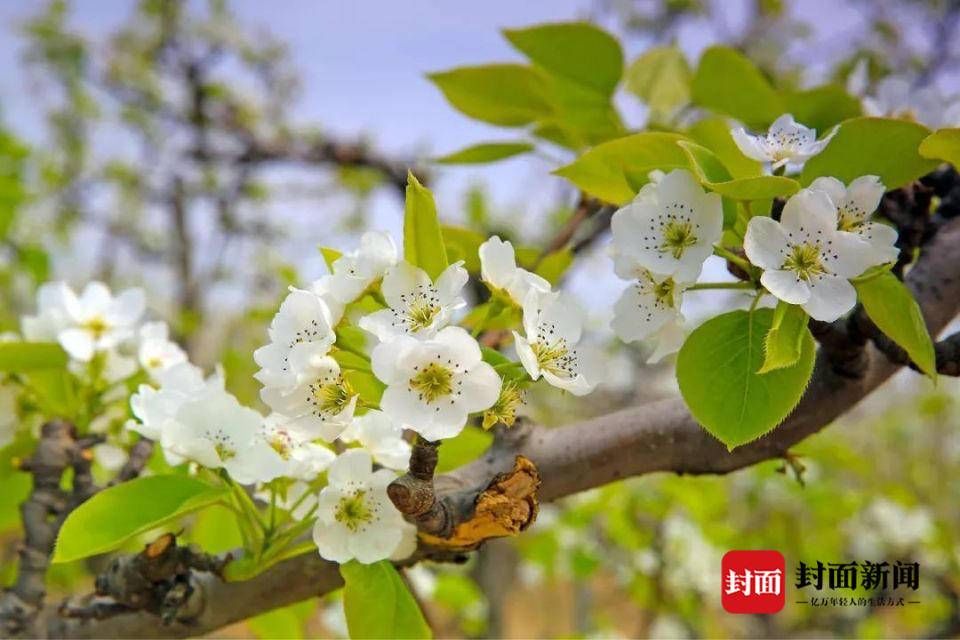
<point x="301" y="333"/>
<point x="499" y="270"/>
<point x="787" y="141"/>
<point x="552" y="325"/>
<point x="806" y="260"/>
<point x="355" y="518"/>
<point x="650" y="308"/>
<point x="855" y="204"/>
<point x="322" y="403"/>
<point x="418" y="306"/>
<point x="670" y="227"/>
<point x="433" y="385"/>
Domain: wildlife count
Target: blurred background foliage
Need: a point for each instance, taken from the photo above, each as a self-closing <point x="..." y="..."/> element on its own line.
<point x="170" y="160"/>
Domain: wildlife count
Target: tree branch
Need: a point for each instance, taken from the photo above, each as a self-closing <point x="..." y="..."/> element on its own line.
<point x="660" y="436"/>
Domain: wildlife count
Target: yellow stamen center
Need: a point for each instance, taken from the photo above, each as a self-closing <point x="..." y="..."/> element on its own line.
<point x="804" y="260"/>
<point x="677" y="236"/>
<point x="433" y="382"/>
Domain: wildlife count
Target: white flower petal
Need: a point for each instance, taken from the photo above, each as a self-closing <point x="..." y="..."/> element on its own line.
<point x="786" y="286"/>
<point x="765" y="243"/>
<point x="830" y="298"/>
<point x="350" y="466"/>
<point x="810" y="212"/>
<point x="749" y="145"/>
<point x="481" y="387"/>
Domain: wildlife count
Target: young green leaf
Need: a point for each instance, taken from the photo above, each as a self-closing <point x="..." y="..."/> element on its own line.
<point x="602" y="171"/>
<point x="19" y="357"/>
<point x="466" y="447"/>
<point x="510" y="95"/>
<point x="892" y="308"/>
<point x="485" y="152"/>
<point x="872" y="146"/>
<point x="330" y="256"/>
<point x="822" y="107"/>
<point x="728" y="82"/>
<point x="784" y="342"/>
<point x="113" y="516"/>
<point x="661" y="77"/>
<point x="942" y="145"/>
<point x="714" y="134"/>
<point x="422" y="240"/>
<point x="717" y="371"/>
<point x="758" y="188"/>
<point x="577" y="51"/>
<point x="378" y="604"/>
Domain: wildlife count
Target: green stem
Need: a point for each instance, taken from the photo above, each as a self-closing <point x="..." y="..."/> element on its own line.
<point x="732" y="257"/>
<point x="756" y="300"/>
<point x="722" y="285"/>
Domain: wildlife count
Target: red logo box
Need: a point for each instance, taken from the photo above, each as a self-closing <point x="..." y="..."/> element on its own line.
<point x="753" y="581"/>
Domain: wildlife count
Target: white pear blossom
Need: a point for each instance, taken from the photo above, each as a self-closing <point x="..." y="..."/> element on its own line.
<point x="154" y="407"/>
<point x="670" y="227"/>
<point x="899" y="97"/>
<point x="156" y="351"/>
<point x="322" y="403"/>
<point x="355" y="518"/>
<point x="418" y="306"/>
<point x="51" y="317"/>
<point x="301" y="333"/>
<point x="787" y="141"/>
<point x="213" y="429"/>
<point x="498" y="268"/>
<point x="434" y="384"/>
<point x="552" y="324"/>
<point x="91" y="322"/>
<point x="855" y="203"/>
<point x="302" y="459"/>
<point x="355" y="271"/>
<point x="382" y="437"/>
<point x="650" y="309"/>
<point x="806" y="261"/>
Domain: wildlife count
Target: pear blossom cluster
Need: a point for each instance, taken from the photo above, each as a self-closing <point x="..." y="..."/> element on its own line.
<point x="824" y="238"/>
<point x="660" y="242"/>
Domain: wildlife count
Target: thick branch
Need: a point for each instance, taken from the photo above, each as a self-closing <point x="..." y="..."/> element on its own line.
<point x="661" y="436"/>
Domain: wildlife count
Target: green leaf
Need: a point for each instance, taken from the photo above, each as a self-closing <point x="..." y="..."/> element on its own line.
<point x="113" y="516"/>
<point x="31" y="356"/>
<point x="510" y="95"/>
<point x="551" y="268"/>
<point x="942" y="145"/>
<point x="463" y="244"/>
<point x="330" y="256"/>
<point x="581" y="116"/>
<point x="378" y="604"/>
<point x="872" y="146"/>
<point x="602" y="171"/>
<point x="758" y="188"/>
<point x="661" y="77"/>
<point x="710" y="170"/>
<point x="784" y="342"/>
<point x="822" y="107"/>
<point x="717" y="372"/>
<point x="578" y="51"/>
<point x="892" y="308"/>
<point x="466" y="447"/>
<point x="714" y="134"/>
<point x="485" y="152"/>
<point x="727" y="82"/>
<point x="367" y="386"/>
<point x="422" y="240"/>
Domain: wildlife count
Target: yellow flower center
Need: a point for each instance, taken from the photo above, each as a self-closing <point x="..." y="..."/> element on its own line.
<point x="504" y="411"/>
<point x="804" y="260"/>
<point x="554" y="358"/>
<point x="97" y="326"/>
<point x="353" y="512"/>
<point x="332" y="397"/>
<point x="433" y="382"/>
<point x="281" y="443"/>
<point x="663" y="292"/>
<point x="421" y="313"/>
<point x="677" y="236"/>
